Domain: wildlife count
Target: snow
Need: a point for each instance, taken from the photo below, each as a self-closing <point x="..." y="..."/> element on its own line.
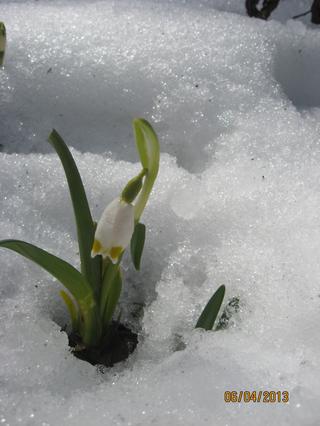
<point x="236" y="104"/>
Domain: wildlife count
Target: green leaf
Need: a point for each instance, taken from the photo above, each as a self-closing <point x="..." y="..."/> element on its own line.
<point x="110" y="271"/>
<point x="71" y="309"/>
<point x="72" y="279"/>
<point x="63" y="271"/>
<point x="210" y="312"/>
<point x="147" y="144"/>
<point x="90" y="267"/>
<point x="137" y="244"/>
<point x="112" y="298"/>
<point x="230" y="309"/>
<point x="149" y="151"/>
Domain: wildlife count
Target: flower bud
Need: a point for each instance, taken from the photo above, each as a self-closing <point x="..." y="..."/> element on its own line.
<point x="133" y="187"/>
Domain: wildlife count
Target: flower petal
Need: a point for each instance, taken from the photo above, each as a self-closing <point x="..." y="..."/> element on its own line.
<point x="114" y="230"/>
<point x="123" y="226"/>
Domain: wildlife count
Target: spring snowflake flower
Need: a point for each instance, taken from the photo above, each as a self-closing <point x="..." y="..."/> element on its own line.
<point x="114" y="230"/>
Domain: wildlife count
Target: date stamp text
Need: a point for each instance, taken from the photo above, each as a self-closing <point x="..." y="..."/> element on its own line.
<point x="257" y="396"/>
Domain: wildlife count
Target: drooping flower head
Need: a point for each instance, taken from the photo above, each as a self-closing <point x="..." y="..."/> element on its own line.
<point x="116" y="225"/>
<point x="114" y="230"/>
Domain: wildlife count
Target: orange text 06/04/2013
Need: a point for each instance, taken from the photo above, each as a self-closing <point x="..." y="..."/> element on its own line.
<point x="257" y="396"/>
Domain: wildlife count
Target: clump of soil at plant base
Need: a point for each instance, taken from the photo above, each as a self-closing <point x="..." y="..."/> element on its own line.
<point x="116" y="347"/>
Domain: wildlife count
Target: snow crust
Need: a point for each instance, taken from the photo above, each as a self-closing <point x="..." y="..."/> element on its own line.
<point x="236" y="104"/>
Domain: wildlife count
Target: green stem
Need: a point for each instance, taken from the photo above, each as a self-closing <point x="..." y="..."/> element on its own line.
<point x="108" y="289"/>
<point x="110" y="271"/>
<point x="72" y="309"/>
<point x="90" y="326"/>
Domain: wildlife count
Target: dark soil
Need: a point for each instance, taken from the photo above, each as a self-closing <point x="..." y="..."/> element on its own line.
<point x="118" y="345"/>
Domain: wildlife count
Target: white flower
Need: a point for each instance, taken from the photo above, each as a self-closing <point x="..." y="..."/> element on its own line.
<point x="114" y="230"/>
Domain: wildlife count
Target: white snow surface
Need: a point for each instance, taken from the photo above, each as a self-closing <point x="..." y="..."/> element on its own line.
<point x="236" y="104"/>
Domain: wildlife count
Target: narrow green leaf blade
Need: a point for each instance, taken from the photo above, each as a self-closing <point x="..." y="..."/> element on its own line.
<point x="90" y="268"/>
<point x="113" y="298"/>
<point x="63" y="271"/>
<point x="149" y="151"/>
<point x="71" y="309"/>
<point x="147" y="145"/>
<point x="110" y="272"/>
<point x="137" y="244"/>
<point x="72" y="279"/>
<point x="141" y="144"/>
<point x="210" y="312"/>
